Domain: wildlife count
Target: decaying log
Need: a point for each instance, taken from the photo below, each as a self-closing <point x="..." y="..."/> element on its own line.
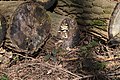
<point x="28" y="28"/>
<point x="114" y="27"/>
<point x="63" y="31"/>
<point x="2" y="29"/>
<point x="7" y="8"/>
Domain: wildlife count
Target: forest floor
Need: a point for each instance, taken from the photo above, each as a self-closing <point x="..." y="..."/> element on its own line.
<point x="91" y="60"/>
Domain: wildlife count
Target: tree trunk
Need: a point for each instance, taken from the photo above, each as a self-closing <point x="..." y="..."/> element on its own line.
<point x="94" y="14"/>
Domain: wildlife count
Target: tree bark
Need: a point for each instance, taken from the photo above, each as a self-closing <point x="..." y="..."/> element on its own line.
<point x="7" y="8"/>
<point x="63" y="28"/>
<point x="28" y="27"/>
<point x="63" y="31"/>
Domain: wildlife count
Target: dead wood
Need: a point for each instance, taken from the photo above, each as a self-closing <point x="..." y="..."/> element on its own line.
<point x="28" y="27"/>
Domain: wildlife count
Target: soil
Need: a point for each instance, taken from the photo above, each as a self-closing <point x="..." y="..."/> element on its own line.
<point x="81" y="63"/>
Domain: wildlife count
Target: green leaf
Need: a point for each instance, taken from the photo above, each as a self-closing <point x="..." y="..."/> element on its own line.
<point x="99" y="65"/>
<point x="4" y="77"/>
<point x="93" y="43"/>
<point x="54" y="52"/>
<point x="47" y="57"/>
<point x="83" y="48"/>
<point x="54" y="59"/>
<point x="16" y="58"/>
<point x="89" y="46"/>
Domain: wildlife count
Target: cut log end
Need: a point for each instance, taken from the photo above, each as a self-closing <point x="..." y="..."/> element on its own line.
<point x="67" y="32"/>
<point x="114" y="27"/>
<point x="30" y="26"/>
<point x="65" y="38"/>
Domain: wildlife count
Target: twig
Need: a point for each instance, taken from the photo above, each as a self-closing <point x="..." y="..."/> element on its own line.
<point x="114" y="59"/>
<point x="24" y="56"/>
<point x="60" y="69"/>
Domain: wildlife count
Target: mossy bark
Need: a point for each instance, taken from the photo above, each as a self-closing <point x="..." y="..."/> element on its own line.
<point x="63" y="28"/>
<point x="28" y="26"/>
<point x="7" y="8"/>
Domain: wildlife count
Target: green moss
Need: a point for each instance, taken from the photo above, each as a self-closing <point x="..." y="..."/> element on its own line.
<point x="98" y="22"/>
<point x="86" y="50"/>
<point x="104" y="28"/>
<point x="99" y="65"/>
<point x="95" y="22"/>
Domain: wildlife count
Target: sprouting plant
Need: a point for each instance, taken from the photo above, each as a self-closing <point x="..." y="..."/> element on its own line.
<point x="86" y="52"/>
<point x="87" y="49"/>
<point x="52" y="55"/>
<point x="4" y="77"/>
